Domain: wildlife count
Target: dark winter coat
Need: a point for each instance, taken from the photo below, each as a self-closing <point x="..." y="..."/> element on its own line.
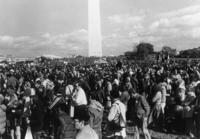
<point x="37" y="117"/>
<point x="66" y="129"/>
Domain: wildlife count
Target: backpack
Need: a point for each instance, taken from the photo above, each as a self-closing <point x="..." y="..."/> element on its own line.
<point x="115" y="125"/>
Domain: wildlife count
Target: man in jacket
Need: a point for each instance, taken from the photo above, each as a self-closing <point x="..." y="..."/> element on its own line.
<point x="95" y="110"/>
<point x="141" y="113"/>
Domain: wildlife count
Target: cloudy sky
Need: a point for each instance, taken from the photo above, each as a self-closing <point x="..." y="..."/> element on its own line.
<point x="59" y="27"/>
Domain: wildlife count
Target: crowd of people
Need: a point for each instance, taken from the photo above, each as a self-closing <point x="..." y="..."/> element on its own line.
<point x="96" y="101"/>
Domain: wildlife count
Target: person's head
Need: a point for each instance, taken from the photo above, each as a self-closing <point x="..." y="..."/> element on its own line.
<point x="125" y="97"/>
<point x="193" y="77"/>
<point x="99" y="82"/>
<point x="146" y="77"/>
<point x="81" y="117"/>
<point x="60" y="79"/>
<point x="37" y="83"/>
<point x="128" y="85"/>
<point x="76" y="85"/>
<point x="50" y="85"/>
<point x="94" y="96"/>
<point x="109" y="86"/>
<point x="12" y="72"/>
<point x="115" y="93"/>
<point x="128" y="80"/>
<point x="27" y="85"/>
<point x="76" y="82"/>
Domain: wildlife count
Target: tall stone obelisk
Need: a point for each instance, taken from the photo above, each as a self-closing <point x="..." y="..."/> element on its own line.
<point x="94" y="28"/>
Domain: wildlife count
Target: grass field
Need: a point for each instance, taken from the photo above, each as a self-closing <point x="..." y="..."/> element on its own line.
<point x="154" y="135"/>
<point x="130" y="133"/>
<point x="159" y="135"/>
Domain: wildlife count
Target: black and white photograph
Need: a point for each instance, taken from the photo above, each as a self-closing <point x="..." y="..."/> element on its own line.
<point x="99" y="69"/>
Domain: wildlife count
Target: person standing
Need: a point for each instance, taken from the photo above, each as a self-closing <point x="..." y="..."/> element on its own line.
<point x="81" y="118"/>
<point x="157" y="112"/>
<point x="141" y="113"/>
<point x="197" y="110"/>
<point x="95" y="110"/>
<point x="65" y="127"/>
<point x="36" y="117"/>
<point x="78" y="96"/>
<point x="117" y="116"/>
<point x="2" y="116"/>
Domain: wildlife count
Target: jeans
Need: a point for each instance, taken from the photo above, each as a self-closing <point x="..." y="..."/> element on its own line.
<point x="141" y="123"/>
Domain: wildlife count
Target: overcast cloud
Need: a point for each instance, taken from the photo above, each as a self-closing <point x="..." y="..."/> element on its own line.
<point x="59" y="27"/>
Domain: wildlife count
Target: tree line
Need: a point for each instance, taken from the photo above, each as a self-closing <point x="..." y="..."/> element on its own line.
<point x="145" y="50"/>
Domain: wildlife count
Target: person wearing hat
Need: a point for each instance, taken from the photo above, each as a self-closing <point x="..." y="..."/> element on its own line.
<point x="81" y="118"/>
<point x="2" y="116"/>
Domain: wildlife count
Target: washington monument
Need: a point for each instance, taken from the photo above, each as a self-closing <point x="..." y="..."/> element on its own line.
<point x="94" y="28"/>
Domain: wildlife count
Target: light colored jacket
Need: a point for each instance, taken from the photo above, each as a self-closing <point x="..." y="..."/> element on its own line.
<point x="96" y="116"/>
<point x="157" y="98"/>
<point x="118" y="112"/>
<point x="79" y="97"/>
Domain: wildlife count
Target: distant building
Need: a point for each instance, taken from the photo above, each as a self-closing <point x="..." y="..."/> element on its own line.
<point x="2" y="58"/>
<point x="51" y="56"/>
